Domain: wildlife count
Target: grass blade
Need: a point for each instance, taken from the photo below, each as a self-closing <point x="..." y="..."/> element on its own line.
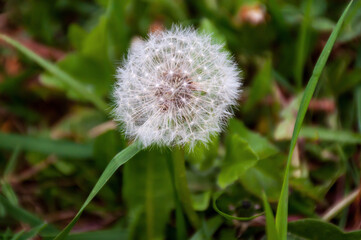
<point x="324" y="134"/>
<point x="24" y="216"/>
<point x="271" y="231"/>
<point x="110" y="169"/>
<point x="67" y="79"/>
<point x="302" y="44"/>
<point x="10" y="166"/>
<point x="16" y="236"/>
<point x="45" y="145"/>
<point x="282" y="209"/>
<point x="5" y="186"/>
<point x="33" y="232"/>
<point x="211" y="225"/>
<point x="9" y="192"/>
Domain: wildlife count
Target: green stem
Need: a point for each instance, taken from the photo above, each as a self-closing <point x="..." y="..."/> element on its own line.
<point x="182" y="187"/>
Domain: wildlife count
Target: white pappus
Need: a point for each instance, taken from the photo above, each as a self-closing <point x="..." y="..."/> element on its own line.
<point x="176" y="87"/>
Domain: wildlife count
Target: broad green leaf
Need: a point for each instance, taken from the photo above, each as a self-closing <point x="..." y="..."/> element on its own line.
<point x="109" y="40"/>
<point x="93" y="63"/>
<point x="47" y="146"/>
<point x="95" y="44"/>
<point x="204" y="156"/>
<point x="260" y="145"/>
<point x="323" y="134"/>
<point x="147" y="185"/>
<point x="282" y="210"/>
<point x="117" y="29"/>
<point x="121" y="158"/>
<point x="313" y="229"/>
<point x="76" y="35"/>
<point x="95" y="75"/>
<point x="261" y="85"/>
<point x="265" y="176"/>
<point x="135" y="218"/>
<point x="212" y="225"/>
<point x="201" y="200"/>
<point x="208" y="27"/>
<point x="63" y="76"/>
<point x="270" y="220"/>
<point x="239" y="158"/>
<point x="257" y="174"/>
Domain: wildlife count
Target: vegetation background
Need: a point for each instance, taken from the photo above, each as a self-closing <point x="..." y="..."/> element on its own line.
<point x="56" y="137"/>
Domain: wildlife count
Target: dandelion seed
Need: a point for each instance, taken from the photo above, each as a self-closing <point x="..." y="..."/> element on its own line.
<point x="184" y="102"/>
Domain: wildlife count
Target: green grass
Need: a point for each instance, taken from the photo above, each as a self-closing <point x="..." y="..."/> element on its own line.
<point x="282" y="209"/>
<point x="271" y="154"/>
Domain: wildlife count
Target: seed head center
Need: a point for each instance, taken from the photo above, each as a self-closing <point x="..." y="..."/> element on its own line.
<point x="174" y="92"/>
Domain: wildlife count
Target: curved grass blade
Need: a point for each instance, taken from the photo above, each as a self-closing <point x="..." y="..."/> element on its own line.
<point x="282" y="209"/>
<point x="67" y="79"/>
<point x="227" y="216"/>
<point x="270" y="220"/>
<point x="45" y="145"/>
<point x="110" y="169"/>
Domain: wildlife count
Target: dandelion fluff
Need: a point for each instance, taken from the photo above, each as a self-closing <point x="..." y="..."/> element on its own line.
<point x="175" y="88"/>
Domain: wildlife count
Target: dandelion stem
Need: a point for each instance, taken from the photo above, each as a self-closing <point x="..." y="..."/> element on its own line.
<point x="182" y="187"/>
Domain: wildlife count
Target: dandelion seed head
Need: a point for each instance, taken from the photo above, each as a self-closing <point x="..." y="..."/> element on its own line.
<point x="175" y="88"/>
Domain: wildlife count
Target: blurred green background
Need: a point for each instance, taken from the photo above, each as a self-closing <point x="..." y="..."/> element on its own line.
<point x="54" y="143"/>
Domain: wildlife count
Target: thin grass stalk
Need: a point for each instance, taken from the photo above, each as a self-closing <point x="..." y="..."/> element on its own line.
<point x="282" y="208"/>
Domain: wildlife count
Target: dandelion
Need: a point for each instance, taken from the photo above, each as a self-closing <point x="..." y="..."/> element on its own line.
<point x="175" y="88"/>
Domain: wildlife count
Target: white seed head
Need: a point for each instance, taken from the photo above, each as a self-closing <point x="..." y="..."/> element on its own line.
<point x="175" y="88"/>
